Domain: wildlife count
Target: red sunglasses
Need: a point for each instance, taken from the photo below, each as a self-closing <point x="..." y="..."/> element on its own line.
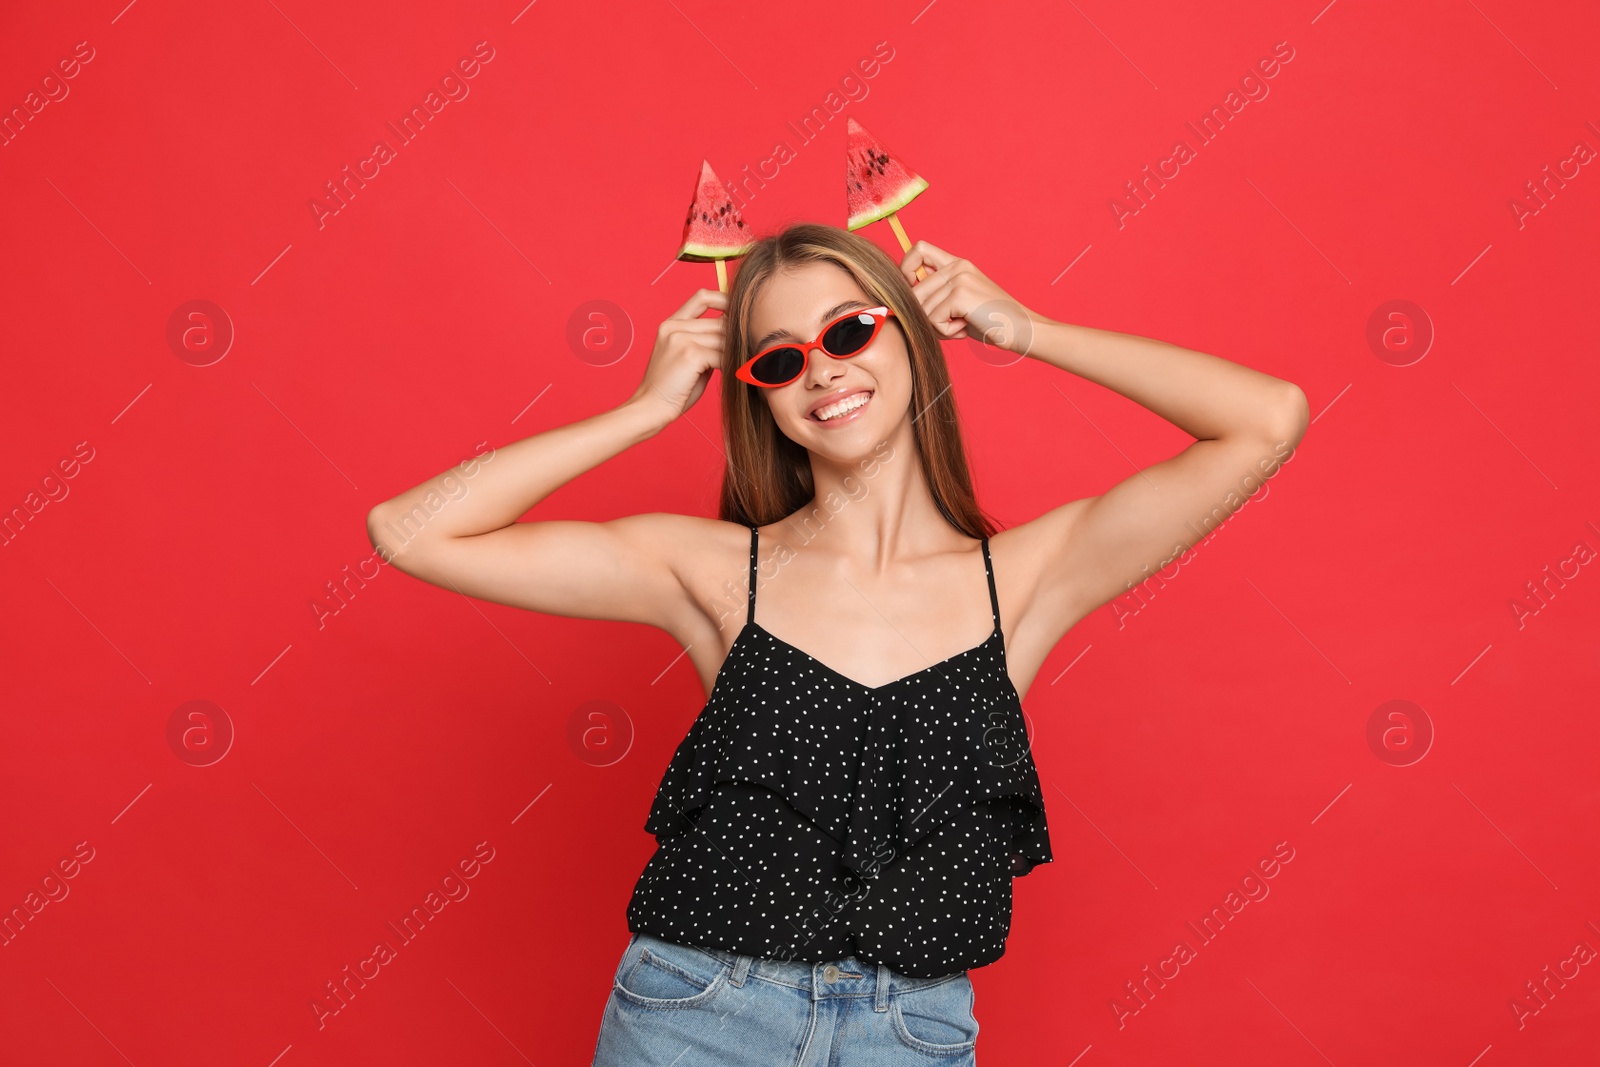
<point x="846" y="336"/>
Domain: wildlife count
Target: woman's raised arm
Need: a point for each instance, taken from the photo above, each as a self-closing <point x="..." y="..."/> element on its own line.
<point x="1089" y="551"/>
<point x="459" y="529"/>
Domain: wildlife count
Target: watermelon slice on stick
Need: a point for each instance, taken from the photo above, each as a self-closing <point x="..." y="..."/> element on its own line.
<point x="877" y="184"/>
<point x="714" y="230"/>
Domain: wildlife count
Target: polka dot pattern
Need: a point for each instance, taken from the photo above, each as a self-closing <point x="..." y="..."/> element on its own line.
<point x="806" y="816"/>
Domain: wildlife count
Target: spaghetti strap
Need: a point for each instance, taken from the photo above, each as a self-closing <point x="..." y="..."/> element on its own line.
<point x="988" y="569"/>
<point x="751" y="617"/>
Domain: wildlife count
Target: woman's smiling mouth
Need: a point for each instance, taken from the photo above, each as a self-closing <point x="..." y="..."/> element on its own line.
<point x="843" y="410"/>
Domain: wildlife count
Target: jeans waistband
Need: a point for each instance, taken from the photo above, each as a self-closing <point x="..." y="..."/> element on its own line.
<point x="846" y="976"/>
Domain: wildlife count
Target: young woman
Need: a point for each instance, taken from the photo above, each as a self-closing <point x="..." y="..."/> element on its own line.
<point x="837" y="833"/>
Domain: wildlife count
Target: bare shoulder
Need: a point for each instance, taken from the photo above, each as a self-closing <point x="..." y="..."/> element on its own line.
<point x="710" y="559"/>
<point x="693" y="547"/>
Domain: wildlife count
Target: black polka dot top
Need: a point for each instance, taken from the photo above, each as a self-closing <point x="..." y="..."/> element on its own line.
<point x="807" y="817"/>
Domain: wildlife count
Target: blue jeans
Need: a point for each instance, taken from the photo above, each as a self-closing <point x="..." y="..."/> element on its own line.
<point x="694" y="1007"/>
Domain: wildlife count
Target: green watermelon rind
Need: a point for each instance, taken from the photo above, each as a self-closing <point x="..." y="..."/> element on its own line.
<point x="694" y="253"/>
<point x="909" y="192"/>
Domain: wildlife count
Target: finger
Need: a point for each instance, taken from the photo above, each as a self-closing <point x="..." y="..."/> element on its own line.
<point x="938" y="317"/>
<point x="934" y="289"/>
<point x="944" y="298"/>
<point x="923" y="254"/>
<point x="700" y="302"/>
<point x="950" y="326"/>
<point x="910" y="264"/>
<point x="717" y="325"/>
<point x="702" y="356"/>
<point x="703" y="353"/>
<point x="712" y="359"/>
<point x="704" y="331"/>
<point x="949" y="313"/>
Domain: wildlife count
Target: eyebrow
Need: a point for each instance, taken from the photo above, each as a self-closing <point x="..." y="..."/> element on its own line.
<point x="827" y="316"/>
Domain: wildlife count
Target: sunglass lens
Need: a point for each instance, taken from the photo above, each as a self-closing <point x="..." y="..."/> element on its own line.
<point x="849" y="336"/>
<point x="779" y="366"/>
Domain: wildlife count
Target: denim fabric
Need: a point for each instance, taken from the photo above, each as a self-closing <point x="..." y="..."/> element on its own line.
<point x="694" y="1007"/>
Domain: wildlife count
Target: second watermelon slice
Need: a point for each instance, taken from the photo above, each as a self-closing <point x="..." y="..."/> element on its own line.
<point x="876" y="183"/>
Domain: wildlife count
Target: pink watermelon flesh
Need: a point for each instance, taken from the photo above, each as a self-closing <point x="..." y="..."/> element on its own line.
<point x="714" y="229"/>
<point x="876" y="183"/>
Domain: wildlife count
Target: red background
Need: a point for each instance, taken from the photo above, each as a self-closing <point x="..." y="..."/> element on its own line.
<point x="374" y="752"/>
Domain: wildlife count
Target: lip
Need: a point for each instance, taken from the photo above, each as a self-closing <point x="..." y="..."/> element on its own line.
<point x="843" y="394"/>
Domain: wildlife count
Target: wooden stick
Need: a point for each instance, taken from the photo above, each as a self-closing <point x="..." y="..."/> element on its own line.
<point x="905" y="242"/>
<point x="722" y="277"/>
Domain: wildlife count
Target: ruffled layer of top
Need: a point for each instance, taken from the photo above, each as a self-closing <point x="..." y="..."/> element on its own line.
<point x="875" y="768"/>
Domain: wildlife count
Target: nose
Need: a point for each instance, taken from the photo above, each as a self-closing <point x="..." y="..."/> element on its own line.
<point x="821" y="367"/>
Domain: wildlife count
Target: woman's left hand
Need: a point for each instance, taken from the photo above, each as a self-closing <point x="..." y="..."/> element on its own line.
<point x="960" y="300"/>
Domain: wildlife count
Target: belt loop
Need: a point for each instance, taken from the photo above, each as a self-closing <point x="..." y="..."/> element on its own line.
<point x="880" y="1001"/>
<point x="741" y="968"/>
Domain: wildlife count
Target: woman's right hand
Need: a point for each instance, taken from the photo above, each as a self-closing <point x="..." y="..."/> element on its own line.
<point x="688" y="348"/>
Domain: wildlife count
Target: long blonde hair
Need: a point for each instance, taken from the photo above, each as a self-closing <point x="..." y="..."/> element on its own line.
<point x="768" y="476"/>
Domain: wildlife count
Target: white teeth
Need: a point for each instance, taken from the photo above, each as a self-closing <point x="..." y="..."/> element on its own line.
<point x="843" y="407"/>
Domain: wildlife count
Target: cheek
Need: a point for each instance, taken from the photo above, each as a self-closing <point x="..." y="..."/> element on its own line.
<point x="890" y="366"/>
<point x="782" y="410"/>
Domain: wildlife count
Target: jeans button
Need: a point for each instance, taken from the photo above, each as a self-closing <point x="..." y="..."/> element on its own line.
<point x="830" y="973"/>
